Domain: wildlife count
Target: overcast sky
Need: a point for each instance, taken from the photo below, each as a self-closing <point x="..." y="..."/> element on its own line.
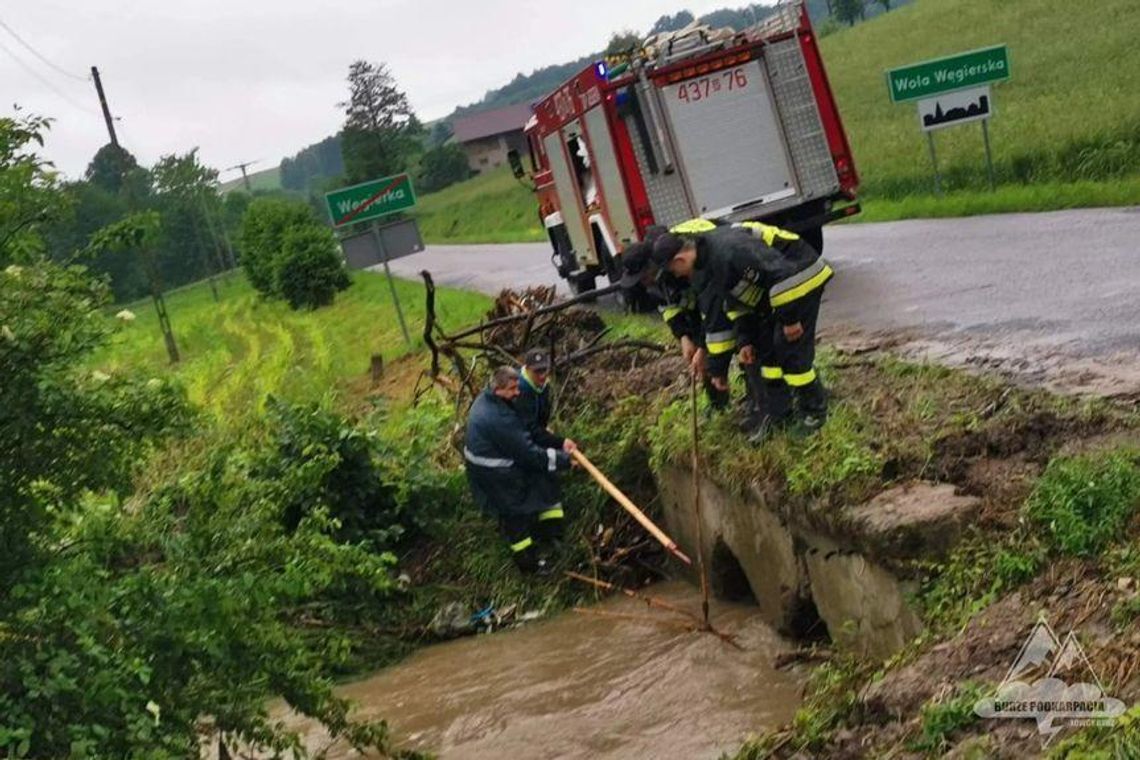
<point x="259" y="79"/>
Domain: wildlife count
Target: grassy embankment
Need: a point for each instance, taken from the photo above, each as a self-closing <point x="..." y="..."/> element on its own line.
<point x="492" y="207"/>
<point x="1066" y="131"/>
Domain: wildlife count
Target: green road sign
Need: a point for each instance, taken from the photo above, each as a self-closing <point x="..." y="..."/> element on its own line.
<point x="370" y="200"/>
<point x="954" y="72"/>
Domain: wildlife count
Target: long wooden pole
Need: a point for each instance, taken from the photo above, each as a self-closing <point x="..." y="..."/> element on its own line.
<point x="701" y="569"/>
<point x="630" y="507"/>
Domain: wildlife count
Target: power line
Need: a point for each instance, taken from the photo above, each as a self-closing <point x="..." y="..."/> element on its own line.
<point x="46" y="82"/>
<point x="39" y="55"/>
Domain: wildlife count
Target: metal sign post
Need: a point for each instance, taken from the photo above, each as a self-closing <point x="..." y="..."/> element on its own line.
<point x="391" y="285"/>
<point x="934" y="163"/>
<point x="951" y="91"/>
<point x="369" y="201"/>
<point x="989" y="158"/>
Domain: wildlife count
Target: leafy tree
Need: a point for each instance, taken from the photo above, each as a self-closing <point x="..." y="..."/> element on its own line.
<point x="124" y="628"/>
<point x="379" y="127"/>
<point x="314" y="162"/>
<point x="29" y="192"/>
<point x="288" y="253"/>
<point x="885" y="3"/>
<point x="669" y="23"/>
<point x="737" y="18"/>
<point x="442" y="166"/>
<point x="622" y="42"/>
<point x="186" y="195"/>
<point x="309" y="270"/>
<point x="114" y="169"/>
<point x="90" y="208"/>
<point x="441" y="131"/>
<point x="849" y="11"/>
<point x="262" y="235"/>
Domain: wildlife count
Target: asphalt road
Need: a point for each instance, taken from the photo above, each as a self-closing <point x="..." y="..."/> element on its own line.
<point x="1028" y="290"/>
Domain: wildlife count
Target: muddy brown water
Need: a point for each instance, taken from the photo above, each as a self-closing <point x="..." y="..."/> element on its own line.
<point x="580" y="685"/>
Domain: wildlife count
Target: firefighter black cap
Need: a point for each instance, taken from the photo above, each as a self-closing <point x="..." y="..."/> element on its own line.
<point x="665" y="248"/>
<point x="538" y="359"/>
<point x="636" y="258"/>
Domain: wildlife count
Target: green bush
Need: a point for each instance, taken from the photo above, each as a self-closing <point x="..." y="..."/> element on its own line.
<point x="441" y="167"/>
<point x="1083" y="503"/>
<point x="120" y="628"/>
<point x="263" y="228"/>
<point x="309" y="270"/>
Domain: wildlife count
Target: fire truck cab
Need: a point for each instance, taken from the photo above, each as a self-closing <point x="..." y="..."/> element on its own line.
<point x="728" y="126"/>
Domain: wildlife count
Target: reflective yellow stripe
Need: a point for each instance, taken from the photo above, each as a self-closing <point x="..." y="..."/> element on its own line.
<point x="668" y="312"/>
<point x="802" y="379"/>
<point x="720" y="342"/>
<point x="523" y="545"/>
<point x="735" y="314"/>
<point x="554" y="513"/>
<point x="721" y="347"/>
<point x="771" y="373"/>
<point x="803" y="289"/>
<point x="692" y="227"/>
<point x="768" y="233"/>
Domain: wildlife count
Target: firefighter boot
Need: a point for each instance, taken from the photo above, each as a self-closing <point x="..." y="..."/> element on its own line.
<point x="753" y="410"/>
<point x="811" y="403"/>
<point x="777" y="411"/>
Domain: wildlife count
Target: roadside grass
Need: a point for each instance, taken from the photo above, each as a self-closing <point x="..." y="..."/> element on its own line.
<point x="492" y="207"/>
<point x="243" y="348"/>
<point x="1049" y="196"/>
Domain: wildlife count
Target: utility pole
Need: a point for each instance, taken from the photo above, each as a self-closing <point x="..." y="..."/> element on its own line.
<point x="103" y="102"/>
<point x="244" y="176"/>
<point x="150" y="266"/>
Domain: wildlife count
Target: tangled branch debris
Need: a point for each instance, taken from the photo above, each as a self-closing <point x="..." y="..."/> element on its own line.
<point x="522" y="320"/>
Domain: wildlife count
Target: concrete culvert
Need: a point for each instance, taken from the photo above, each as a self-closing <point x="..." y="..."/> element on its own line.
<point x="727" y="577"/>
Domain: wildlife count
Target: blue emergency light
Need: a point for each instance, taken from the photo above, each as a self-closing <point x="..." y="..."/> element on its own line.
<point x="600" y="67"/>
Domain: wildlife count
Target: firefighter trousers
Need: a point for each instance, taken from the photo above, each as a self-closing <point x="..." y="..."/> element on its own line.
<point x="530" y="535"/>
<point x="787" y="368"/>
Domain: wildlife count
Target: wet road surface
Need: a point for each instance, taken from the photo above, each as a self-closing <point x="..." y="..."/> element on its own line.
<point x="1051" y="294"/>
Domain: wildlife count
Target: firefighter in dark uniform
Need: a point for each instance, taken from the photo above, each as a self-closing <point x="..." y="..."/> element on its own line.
<point x="505" y="467"/>
<point x="534" y="406"/>
<point x="773" y="281"/>
<point x="678" y="306"/>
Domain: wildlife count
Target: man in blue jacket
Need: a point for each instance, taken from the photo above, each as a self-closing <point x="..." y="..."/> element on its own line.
<point x="505" y="467"/>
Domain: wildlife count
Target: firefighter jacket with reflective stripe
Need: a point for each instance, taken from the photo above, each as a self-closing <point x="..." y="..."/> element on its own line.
<point x="503" y="463"/>
<point x="534" y="407"/>
<point x="746" y="280"/>
<point x="680" y="312"/>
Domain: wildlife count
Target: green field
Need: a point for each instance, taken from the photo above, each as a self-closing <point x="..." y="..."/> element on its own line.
<point x="237" y="351"/>
<point x="1066" y="130"/>
<point x="1068" y="113"/>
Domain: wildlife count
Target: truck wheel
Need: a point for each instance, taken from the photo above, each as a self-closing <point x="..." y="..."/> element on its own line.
<point x="581" y="283"/>
<point x="814" y="238"/>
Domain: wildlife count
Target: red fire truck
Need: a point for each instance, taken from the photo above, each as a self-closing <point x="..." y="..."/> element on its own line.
<point x="712" y="123"/>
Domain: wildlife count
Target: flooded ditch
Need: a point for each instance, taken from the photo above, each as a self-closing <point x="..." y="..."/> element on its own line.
<point x="583" y="685"/>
